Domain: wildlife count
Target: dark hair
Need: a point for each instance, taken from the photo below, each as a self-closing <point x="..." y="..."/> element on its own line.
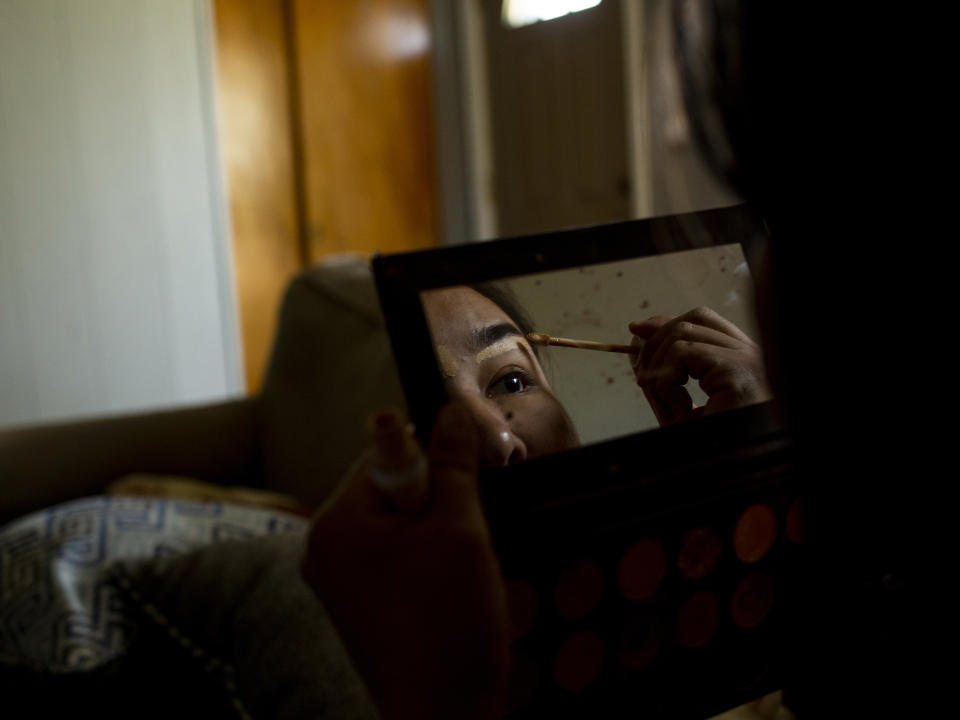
<point x="506" y="300"/>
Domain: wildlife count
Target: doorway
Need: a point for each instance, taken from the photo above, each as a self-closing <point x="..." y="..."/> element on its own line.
<point x="558" y="119"/>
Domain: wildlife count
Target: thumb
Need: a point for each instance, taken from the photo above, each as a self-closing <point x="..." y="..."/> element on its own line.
<point x="646" y="329"/>
<point x="453" y="457"/>
<point x="643" y="329"/>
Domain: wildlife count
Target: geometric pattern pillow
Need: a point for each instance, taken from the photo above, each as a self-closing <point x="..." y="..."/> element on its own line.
<point x="242" y="611"/>
<point x="58" y="611"/>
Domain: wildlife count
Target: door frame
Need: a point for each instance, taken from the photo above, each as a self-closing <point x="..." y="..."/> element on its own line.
<point x="464" y="138"/>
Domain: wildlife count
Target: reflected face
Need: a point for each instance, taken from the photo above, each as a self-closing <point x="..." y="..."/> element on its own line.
<point x="489" y="366"/>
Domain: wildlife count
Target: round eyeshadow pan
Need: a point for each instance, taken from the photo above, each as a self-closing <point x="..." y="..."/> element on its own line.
<point x="752" y="600"/>
<point x="579" y="661"/>
<point x="641" y="569"/>
<point x="755" y="533"/>
<point x="697" y="620"/>
<point x="699" y="553"/>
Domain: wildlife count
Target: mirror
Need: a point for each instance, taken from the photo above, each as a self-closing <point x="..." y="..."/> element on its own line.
<point x="532" y="400"/>
<point x="557" y="397"/>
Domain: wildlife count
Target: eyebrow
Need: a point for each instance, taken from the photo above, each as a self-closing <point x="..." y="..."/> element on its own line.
<point x="486" y="336"/>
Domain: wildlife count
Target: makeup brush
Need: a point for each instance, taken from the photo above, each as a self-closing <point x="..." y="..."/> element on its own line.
<point x="544" y="339"/>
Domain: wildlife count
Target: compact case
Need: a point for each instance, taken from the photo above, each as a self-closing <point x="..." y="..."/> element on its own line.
<point x="650" y="575"/>
<point x="660" y="587"/>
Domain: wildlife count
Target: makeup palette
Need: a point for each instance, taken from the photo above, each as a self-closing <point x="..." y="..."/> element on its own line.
<point x="650" y="572"/>
<point x="664" y="594"/>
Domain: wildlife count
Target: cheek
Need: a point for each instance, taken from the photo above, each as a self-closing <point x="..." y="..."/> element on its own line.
<point x="464" y="386"/>
<point x="541" y="422"/>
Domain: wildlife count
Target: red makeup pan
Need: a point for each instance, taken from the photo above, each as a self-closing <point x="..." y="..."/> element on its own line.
<point x="755" y="533"/>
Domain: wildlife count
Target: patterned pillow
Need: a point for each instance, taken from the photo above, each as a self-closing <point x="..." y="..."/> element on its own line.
<point x="57" y="612"/>
<point x="241" y="610"/>
<point x="156" y="607"/>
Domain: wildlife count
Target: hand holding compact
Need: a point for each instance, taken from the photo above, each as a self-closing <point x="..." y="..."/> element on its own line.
<point x="404" y="566"/>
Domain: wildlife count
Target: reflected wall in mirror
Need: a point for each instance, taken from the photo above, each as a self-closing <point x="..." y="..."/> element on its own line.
<point x="531" y="400"/>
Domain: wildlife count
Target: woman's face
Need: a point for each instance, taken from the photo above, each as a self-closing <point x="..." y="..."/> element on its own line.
<point x="489" y="366"/>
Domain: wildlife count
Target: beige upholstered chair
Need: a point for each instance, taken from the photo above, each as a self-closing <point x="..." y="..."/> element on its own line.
<point x="331" y="366"/>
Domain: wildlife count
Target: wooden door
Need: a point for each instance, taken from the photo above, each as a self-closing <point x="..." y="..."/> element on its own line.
<point x="366" y="117"/>
<point x="558" y="120"/>
<point x="326" y="126"/>
<point x="257" y="149"/>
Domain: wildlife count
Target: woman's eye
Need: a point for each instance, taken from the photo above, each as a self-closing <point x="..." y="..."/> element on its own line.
<point x="511" y="383"/>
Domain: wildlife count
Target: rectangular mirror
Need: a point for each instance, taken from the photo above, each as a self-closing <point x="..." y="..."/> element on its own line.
<point x="481" y="301"/>
<point x="598" y="389"/>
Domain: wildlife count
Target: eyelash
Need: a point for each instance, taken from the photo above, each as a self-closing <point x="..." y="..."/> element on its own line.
<point x="524" y="376"/>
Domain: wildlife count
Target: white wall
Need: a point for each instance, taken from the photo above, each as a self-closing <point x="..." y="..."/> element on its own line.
<point x="116" y="288"/>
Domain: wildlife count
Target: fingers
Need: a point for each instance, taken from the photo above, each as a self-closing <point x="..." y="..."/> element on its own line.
<point x="386" y="481"/>
<point x="646" y="328"/>
<point x="684" y="360"/>
<point x="399" y="467"/>
<point x="453" y="459"/>
<point x="636" y="341"/>
<point x="702" y="316"/>
<point x="717" y="369"/>
<point x="682" y="331"/>
<point x="355" y="496"/>
<point x="671" y="403"/>
<point x="699" y="344"/>
<point x="663" y="414"/>
<point x="394" y="481"/>
<point x="698" y="325"/>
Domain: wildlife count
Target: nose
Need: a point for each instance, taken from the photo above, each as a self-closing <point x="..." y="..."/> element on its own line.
<point x="499" y="445"/>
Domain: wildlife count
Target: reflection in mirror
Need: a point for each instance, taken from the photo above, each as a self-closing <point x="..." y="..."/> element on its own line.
<point x="488" y="364"/>
<point x="689" y="314"/>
